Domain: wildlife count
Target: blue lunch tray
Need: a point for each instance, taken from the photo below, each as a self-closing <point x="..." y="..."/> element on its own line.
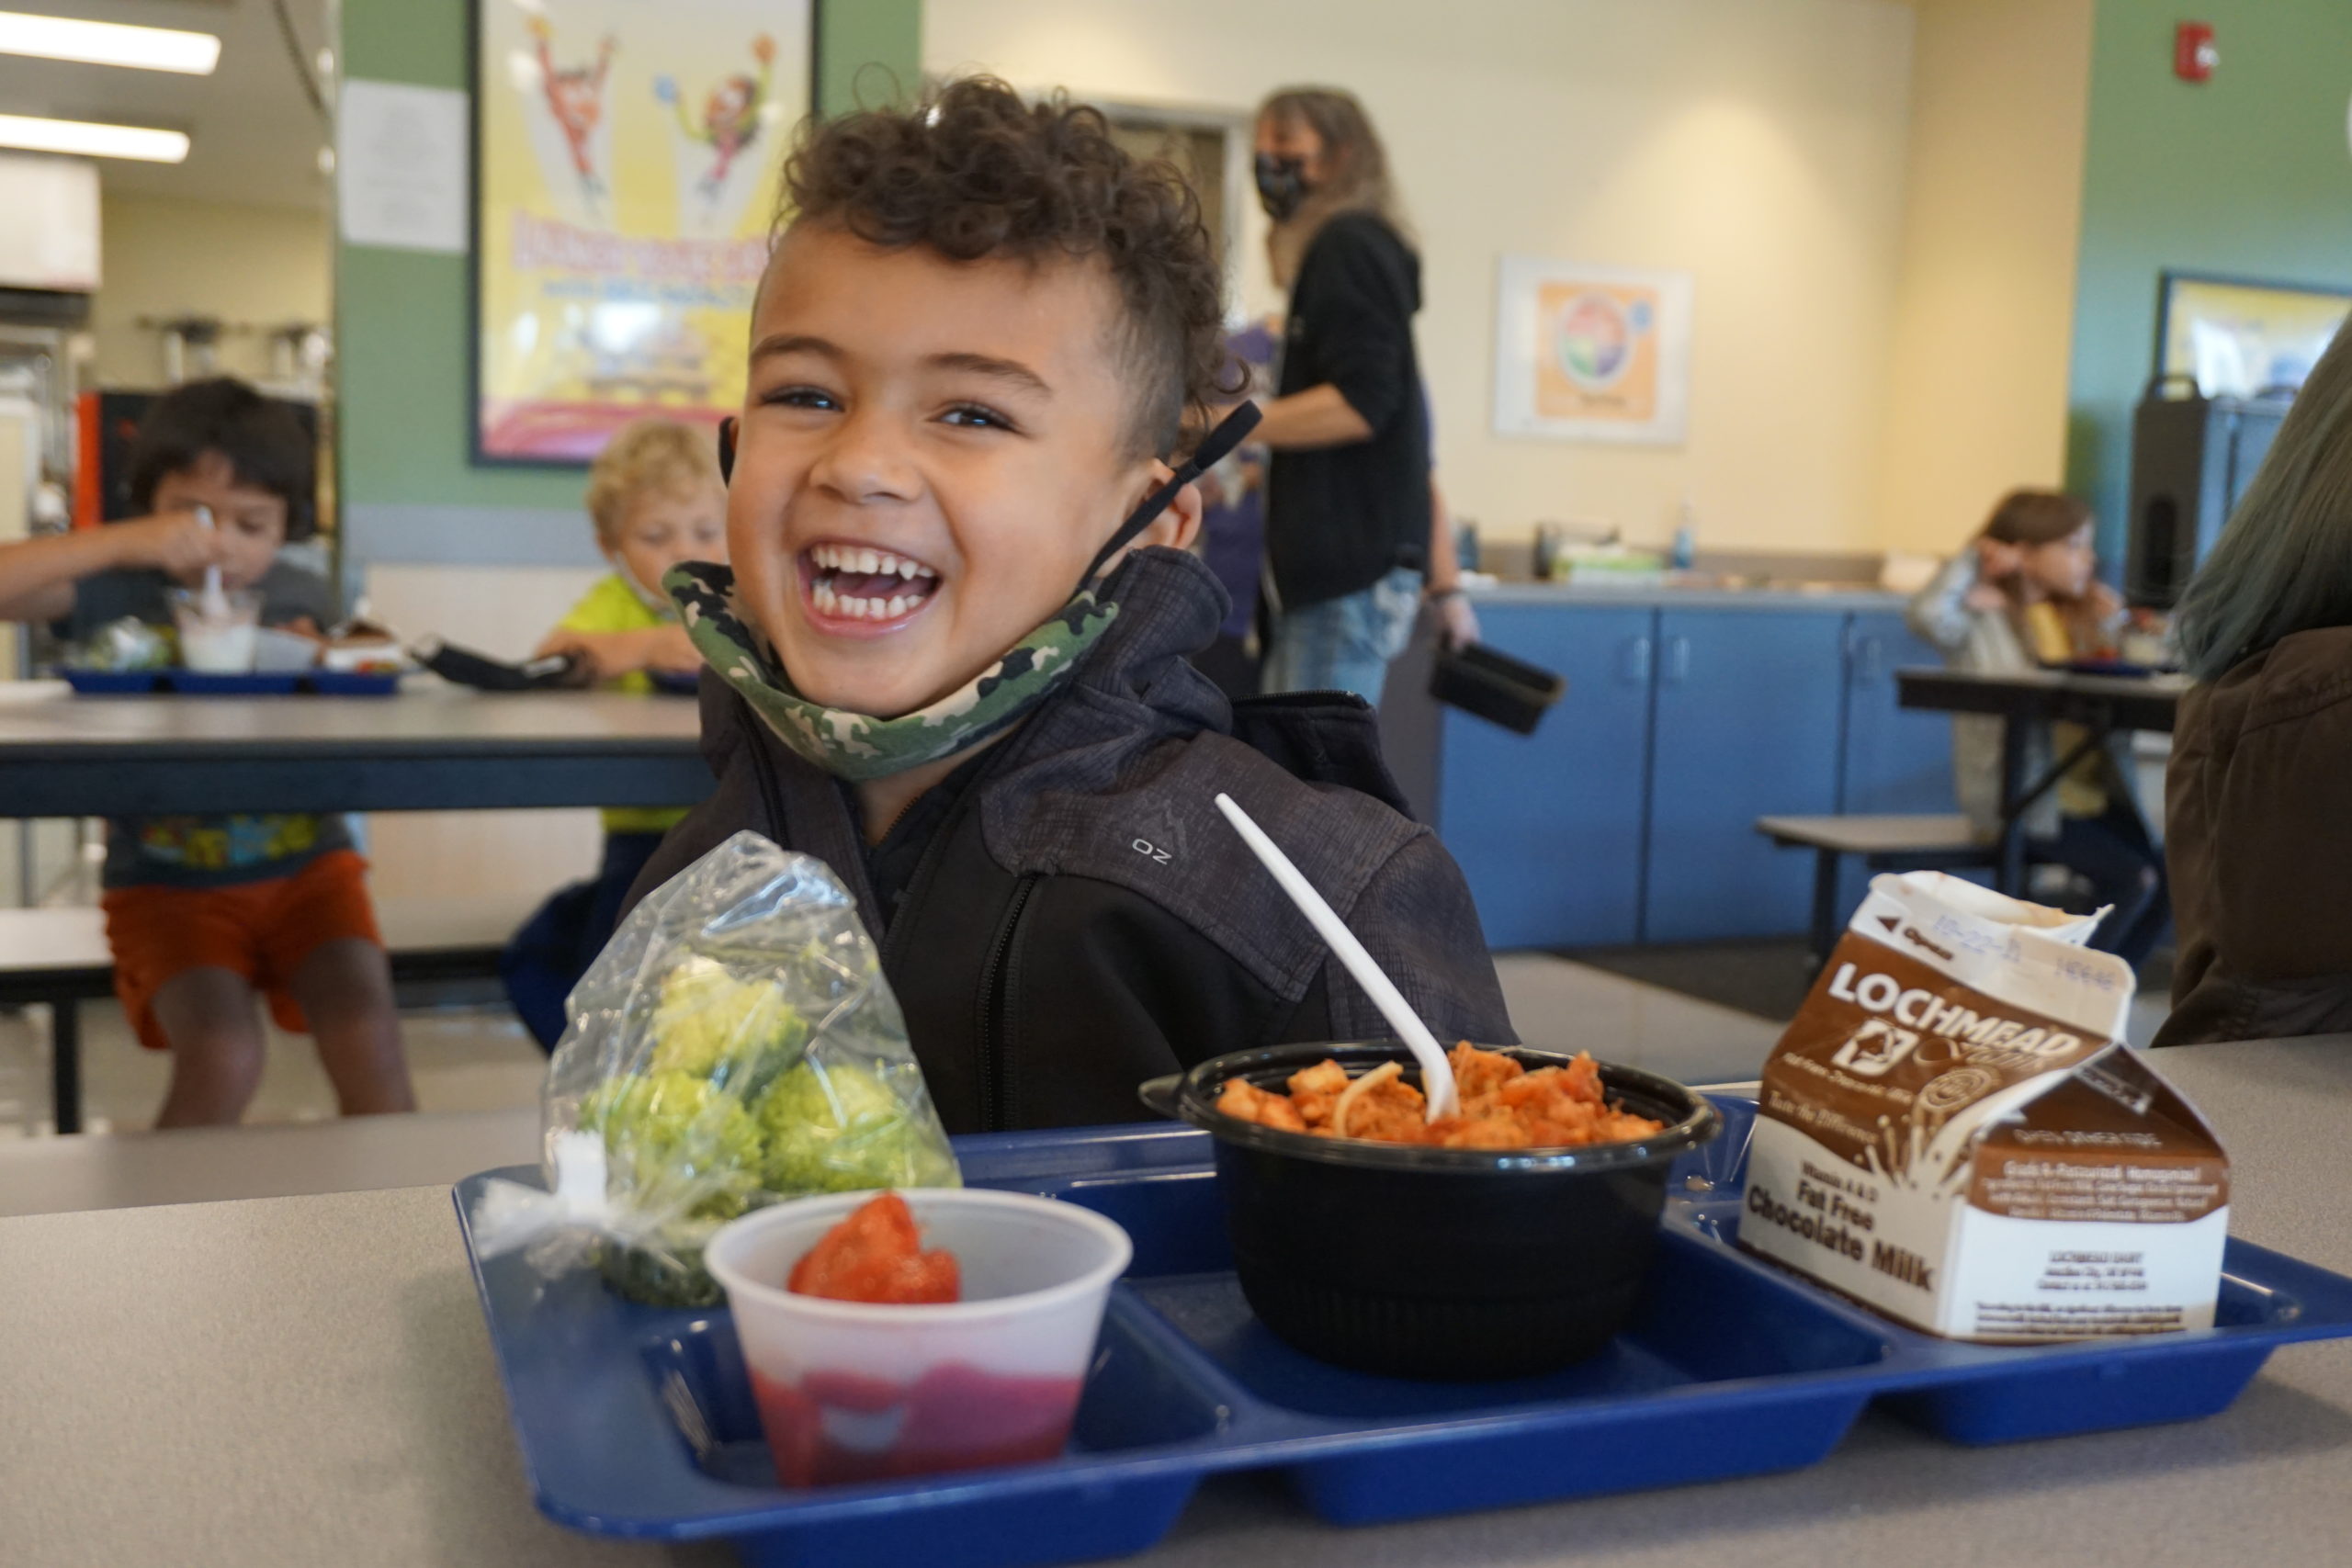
<point x="637" y="1421"/>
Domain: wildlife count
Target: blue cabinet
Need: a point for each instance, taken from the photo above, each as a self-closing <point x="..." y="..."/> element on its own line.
<point x="1548" y="827"/>
<point x="1750" y="720"/>
<point x="1630" y="815"/>
<point x="1898" y="760"/>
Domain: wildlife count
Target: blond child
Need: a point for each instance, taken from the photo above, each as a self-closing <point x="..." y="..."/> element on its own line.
<point x="655" y="499"/>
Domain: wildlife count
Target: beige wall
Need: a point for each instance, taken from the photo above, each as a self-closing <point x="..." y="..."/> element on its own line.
<point x="1985" y="303"/>
<point x="255" y="265"/>
<point x="1758" y="143"/>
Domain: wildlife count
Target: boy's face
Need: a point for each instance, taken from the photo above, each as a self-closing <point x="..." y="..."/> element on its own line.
<point x="252" y="521"/>
<point x="661" y="529"/>
<point x="931" y="453"/>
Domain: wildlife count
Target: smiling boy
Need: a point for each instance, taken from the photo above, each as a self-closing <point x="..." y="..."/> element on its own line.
<point x="974" y="353"/>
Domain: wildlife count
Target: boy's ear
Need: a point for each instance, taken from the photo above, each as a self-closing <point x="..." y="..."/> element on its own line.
<point x="1180" y="525"/>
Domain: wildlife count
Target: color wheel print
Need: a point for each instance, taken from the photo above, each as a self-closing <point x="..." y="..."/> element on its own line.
<point x="1592" y="340"/>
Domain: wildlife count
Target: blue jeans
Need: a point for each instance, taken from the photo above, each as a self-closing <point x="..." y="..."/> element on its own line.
<point x="1345" y="644"/>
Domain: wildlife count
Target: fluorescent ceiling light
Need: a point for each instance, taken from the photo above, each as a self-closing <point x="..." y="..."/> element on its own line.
<point x="92" y="139"/>
<point x="108" y="43"/>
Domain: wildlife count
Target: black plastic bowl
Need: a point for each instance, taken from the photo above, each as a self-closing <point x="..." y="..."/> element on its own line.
<point x="1440" y="1263"/>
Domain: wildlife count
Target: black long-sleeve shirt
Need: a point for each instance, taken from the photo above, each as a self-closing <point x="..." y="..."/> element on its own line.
<point x="1340" y="518"/>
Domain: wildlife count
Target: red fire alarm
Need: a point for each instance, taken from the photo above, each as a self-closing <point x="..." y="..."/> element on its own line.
<point x="2193" y="52"/>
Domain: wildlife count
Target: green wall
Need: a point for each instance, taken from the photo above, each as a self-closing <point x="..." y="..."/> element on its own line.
<point x="2248" y="174"/>
<point x="402" y="341"/>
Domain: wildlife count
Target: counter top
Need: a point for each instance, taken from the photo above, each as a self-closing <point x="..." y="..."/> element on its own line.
<point x="1837" y="598"/>
<point x="307" y="1381"/>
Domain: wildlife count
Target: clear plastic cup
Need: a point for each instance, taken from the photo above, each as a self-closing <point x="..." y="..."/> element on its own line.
<point x="852" y="1392"/>
<point x="225" y="643"/>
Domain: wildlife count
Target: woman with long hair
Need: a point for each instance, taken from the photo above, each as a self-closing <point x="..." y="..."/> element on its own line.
<point x="2021" y="596"/>
<point x="1347" y="496"/>
<point x="2257" y="828"/>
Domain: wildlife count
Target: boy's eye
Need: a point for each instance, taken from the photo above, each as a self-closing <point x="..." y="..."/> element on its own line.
<point x="800" y="397"/>
<point x="977" y="416"/>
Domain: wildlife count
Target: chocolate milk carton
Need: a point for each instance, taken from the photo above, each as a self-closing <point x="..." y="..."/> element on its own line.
<point x="1950" y="1133"/>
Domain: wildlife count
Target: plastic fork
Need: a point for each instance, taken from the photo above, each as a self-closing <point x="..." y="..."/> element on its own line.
<point x="1437" y="1073"/>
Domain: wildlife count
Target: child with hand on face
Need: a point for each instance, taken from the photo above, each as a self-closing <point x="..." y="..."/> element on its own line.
<point x="655" y="499"/>
<point x="951" y="656"/>
<point x="2022" y="596"/>
<point x="206" y="915"/>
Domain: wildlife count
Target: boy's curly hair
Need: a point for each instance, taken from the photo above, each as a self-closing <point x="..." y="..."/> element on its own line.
<point x="972" y="171"/>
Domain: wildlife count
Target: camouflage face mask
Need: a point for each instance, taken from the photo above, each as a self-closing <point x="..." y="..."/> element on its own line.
<point x="857" y="746"/>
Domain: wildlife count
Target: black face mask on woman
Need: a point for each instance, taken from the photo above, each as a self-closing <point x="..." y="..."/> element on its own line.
<point x="1281" y="185"/>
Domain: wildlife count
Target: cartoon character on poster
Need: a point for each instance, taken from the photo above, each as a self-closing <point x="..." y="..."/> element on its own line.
<point x="720" y="147"/>
<point x="571" y="133"/>
<point x="626" y="161"/>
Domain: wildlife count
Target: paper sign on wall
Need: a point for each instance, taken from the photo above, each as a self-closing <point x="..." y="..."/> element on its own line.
<point x="1591" y="353"/>
<point x="400" y="176"/>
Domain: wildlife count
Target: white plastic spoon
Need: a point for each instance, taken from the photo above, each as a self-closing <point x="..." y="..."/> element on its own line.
<point x="214" y="600"/>
<point x="1437" y="1073"/>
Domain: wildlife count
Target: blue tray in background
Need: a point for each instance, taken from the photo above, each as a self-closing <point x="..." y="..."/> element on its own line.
<point x="197" y="684"/>
<point x="637" y="1421"/>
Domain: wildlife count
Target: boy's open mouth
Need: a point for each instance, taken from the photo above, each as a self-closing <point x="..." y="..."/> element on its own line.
<point x="859" y="586"/>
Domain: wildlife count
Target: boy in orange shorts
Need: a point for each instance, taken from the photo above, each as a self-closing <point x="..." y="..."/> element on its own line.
<point x="206" y="915"/>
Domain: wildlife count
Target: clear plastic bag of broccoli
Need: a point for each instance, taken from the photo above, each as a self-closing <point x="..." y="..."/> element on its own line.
<point x="736" y="1043"/>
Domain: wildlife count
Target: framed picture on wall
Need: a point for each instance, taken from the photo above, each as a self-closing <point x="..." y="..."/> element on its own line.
<point x="2239" y="337"/>
<point x="626" y="155"/>
<point x="1591" y="353"/>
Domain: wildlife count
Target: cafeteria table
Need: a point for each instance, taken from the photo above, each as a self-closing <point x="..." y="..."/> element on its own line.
<point x="431" y="748"/>
<point x="2102" y="704"/>
<point x="306" y="1380"/>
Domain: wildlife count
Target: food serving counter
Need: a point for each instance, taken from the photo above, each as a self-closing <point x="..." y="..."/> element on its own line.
<point x="306" y="1380"/>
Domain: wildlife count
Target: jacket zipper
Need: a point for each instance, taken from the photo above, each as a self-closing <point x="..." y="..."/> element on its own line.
<point x="994" y="1006"/>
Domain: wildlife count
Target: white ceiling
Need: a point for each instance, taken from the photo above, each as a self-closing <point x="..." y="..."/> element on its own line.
<point x="256" y="138"/>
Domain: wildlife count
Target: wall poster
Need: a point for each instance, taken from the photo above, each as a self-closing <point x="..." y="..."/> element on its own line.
<point x="625" y="154"/>
<point x="1591" y="353"/>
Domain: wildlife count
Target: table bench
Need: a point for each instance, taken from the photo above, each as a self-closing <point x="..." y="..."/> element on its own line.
<point x="59" y="957"/>
<point x="1942" y="842"/>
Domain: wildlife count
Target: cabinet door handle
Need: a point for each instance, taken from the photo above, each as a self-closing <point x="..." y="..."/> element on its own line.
<point x="1677" y="659"/>
<point x="1634" y="665"/>
<point x="1874" y="658"/>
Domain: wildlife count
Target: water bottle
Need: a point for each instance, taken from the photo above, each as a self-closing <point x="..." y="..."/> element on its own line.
<point x="1686" y="536"/>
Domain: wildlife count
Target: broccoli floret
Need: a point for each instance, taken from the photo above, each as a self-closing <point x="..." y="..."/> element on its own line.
<point x="672" y="1132"/>
<point x="838" y="1129"/>
<point x="715" y="1026"/>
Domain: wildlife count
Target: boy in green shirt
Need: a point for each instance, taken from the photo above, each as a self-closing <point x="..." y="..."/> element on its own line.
<point x="655" y="498"/>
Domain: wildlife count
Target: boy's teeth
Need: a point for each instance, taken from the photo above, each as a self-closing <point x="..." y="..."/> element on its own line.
<point x="896" y="608"/>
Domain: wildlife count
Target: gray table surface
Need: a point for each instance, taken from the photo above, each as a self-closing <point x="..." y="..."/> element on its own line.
<point x="432" y="746"/>
<point x="306" y="1380"/>
<point x="208" y="1164"/>
<point x="425" y="712"/>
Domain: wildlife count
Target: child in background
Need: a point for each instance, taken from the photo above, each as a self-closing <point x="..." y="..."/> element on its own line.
<point x="2021" y="596"/>
<point x="206" y="914"/>
<point x="950" y="657"/>
<point x="655" y="499"/>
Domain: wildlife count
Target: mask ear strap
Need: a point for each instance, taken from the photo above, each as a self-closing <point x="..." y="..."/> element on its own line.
<point x="727" y="450"/>
<point x="1230" y="433"/>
